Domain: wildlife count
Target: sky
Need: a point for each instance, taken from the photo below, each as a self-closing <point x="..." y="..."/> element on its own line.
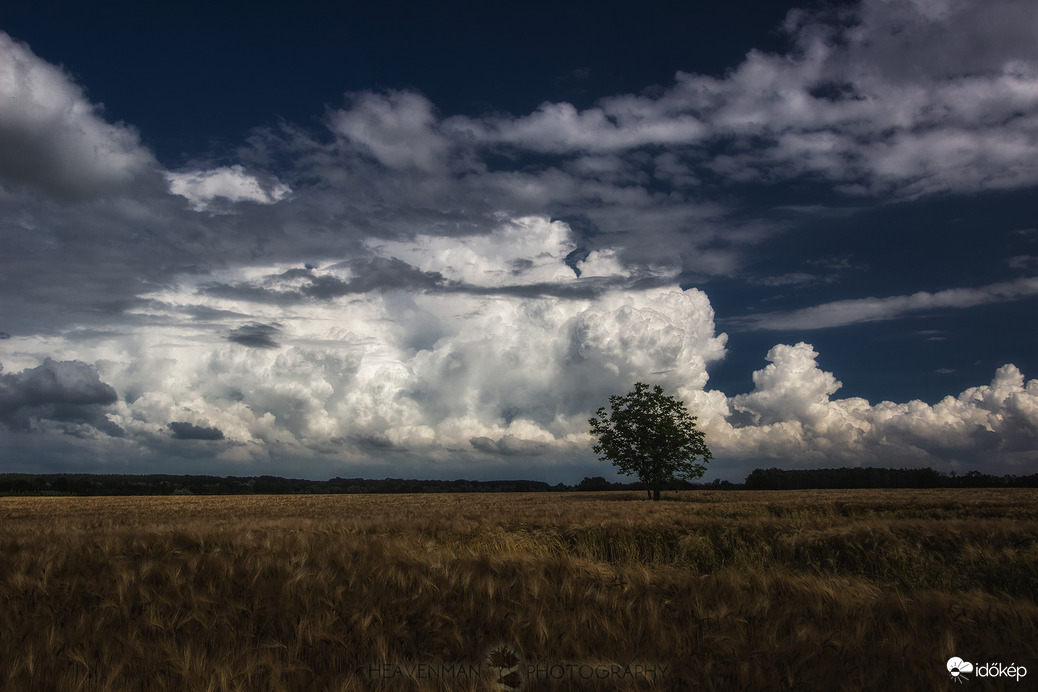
<point x="313" y="241"/>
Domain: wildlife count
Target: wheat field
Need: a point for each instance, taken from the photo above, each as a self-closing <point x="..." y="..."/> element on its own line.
<point x="708" y="590"/>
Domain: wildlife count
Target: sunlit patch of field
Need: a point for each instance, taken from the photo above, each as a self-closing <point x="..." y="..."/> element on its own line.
<point x="814" y="590"/>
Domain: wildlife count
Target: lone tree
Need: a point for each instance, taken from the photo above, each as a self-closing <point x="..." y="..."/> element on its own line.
<point x="652" y="435"/>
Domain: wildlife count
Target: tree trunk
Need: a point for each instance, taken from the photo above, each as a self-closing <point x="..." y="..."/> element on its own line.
<point x="655" y="493"/>
<point x="649" y="493"/>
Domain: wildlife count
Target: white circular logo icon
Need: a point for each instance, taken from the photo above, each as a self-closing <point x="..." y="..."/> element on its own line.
<point x="958" y="668"/>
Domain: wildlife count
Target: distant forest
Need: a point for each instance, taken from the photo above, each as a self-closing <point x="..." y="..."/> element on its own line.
<point x="802" y="479"/>
<point x="85" y="484"/>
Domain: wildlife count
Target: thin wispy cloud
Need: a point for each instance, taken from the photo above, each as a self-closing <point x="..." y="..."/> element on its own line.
<point x="842" y="313"/>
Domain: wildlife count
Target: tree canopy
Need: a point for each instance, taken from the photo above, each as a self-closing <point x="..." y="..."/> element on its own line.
<point x="652" y="435"/>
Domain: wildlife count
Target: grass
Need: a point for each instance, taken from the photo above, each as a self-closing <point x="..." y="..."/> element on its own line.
<point x="834" y="590"/>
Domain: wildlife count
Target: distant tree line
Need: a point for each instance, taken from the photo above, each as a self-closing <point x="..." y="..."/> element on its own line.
<point x="162" y="484"/>
<point x="803" y="479"/>
<point x="86" y="484"/>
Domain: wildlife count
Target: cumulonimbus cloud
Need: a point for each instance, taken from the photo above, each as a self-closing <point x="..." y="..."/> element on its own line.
<point x="471" y="379"/>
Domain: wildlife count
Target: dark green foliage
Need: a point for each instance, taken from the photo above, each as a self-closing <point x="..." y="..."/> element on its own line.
<point x="652" y="435"/>
<point x="802" y="479"/>
<point x="596" y="483"/>
<point x="85" y="484"/>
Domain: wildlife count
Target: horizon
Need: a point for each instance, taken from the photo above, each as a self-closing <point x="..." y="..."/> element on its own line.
<point x="367" y="242"/>
<point x="774" y="478"/>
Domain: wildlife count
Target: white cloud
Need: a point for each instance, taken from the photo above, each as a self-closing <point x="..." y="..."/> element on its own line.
<point x="526" y="250"/>
<point x="898" y="100"/>
<point x="231" y="183"/>
<point x="892" y="97"/>
<point x="790" y="417"/>
<point x="939" y="38"/>
<point x="449" y="376"/>
<point x="53" y="139"/>
<point x="464" y="380"/>
<point x="398" y="128"/>
<point x="619" y="123"/>
<point x="791" y="387"/>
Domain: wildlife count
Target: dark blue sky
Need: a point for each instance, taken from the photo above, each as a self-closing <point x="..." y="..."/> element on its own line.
<point x="393" y="197"/>
<point x="187" y="73"/>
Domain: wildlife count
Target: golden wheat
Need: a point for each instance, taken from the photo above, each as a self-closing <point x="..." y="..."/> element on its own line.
<point x="708" y="590"/>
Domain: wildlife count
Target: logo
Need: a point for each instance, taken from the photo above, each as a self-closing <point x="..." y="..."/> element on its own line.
<point x="958" y="668"/>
